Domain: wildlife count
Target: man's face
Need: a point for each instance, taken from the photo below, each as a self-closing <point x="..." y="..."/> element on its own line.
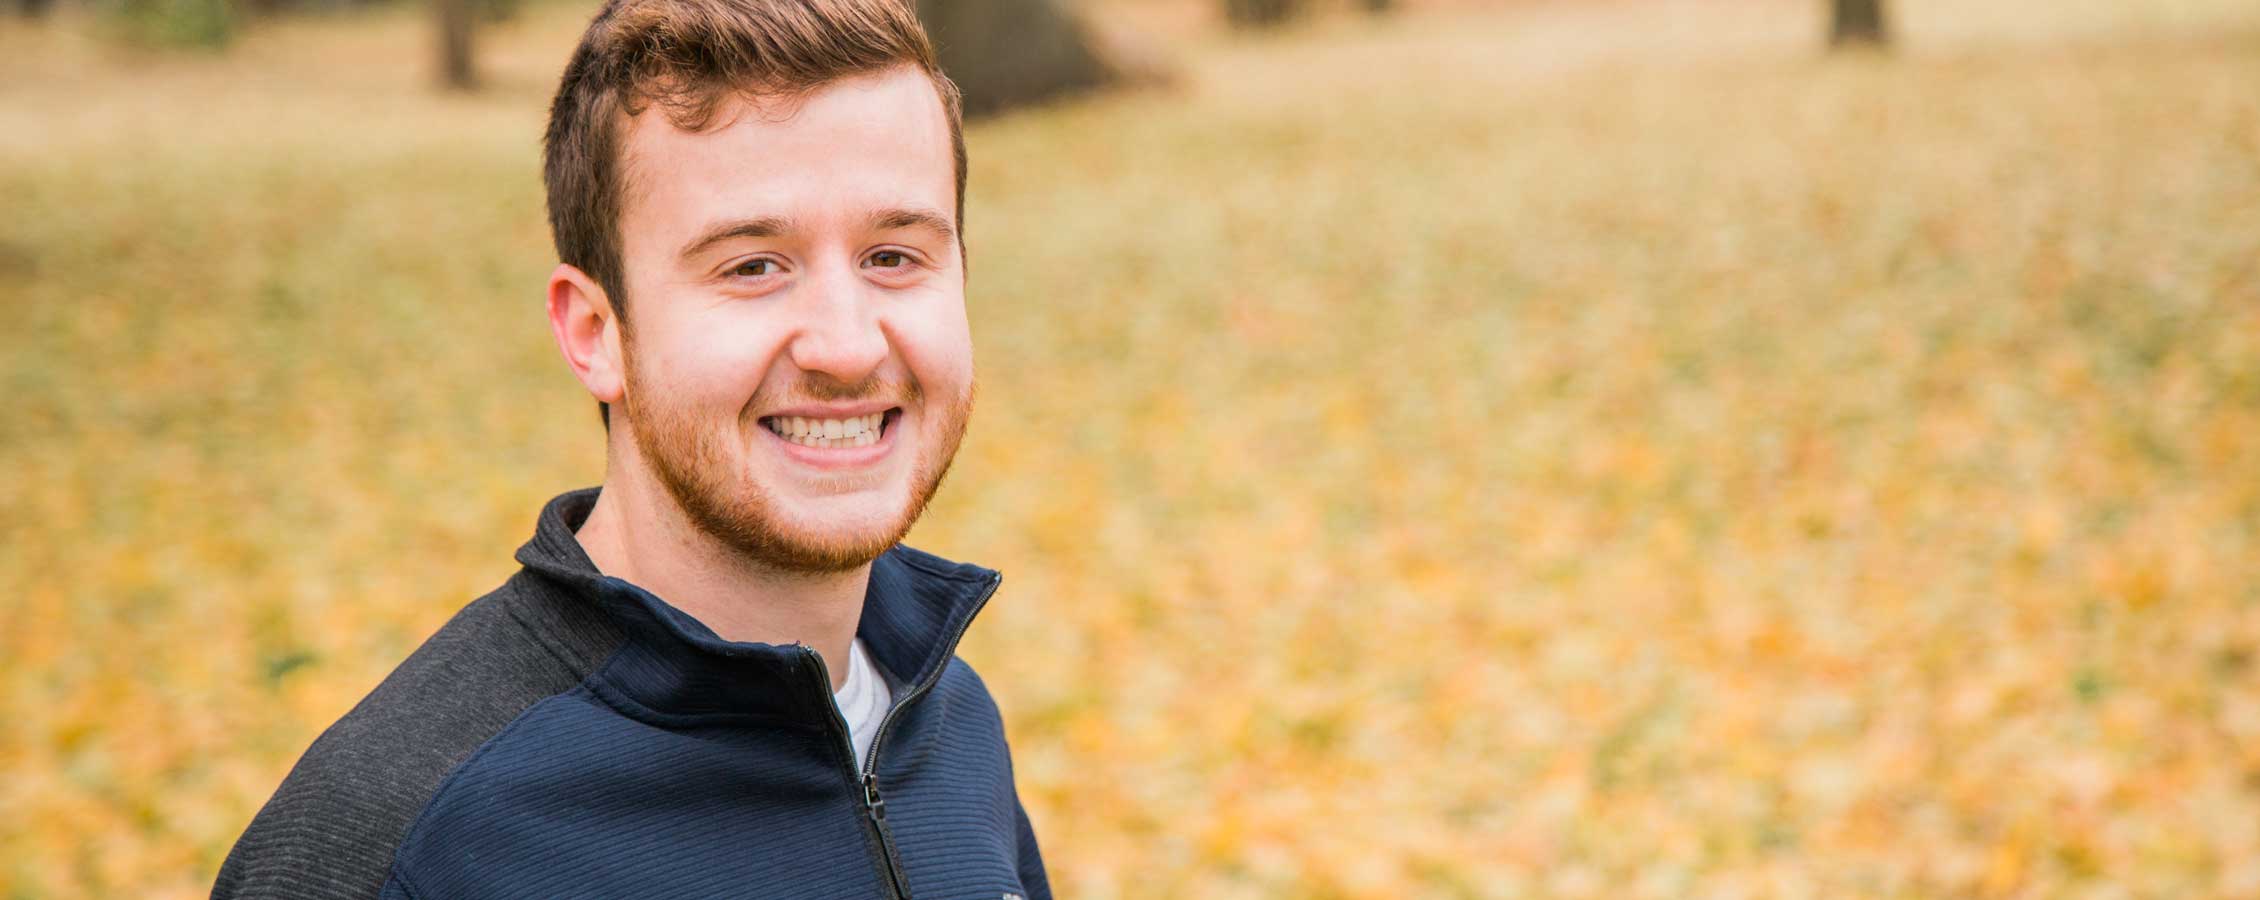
<point x="798" y="365"/>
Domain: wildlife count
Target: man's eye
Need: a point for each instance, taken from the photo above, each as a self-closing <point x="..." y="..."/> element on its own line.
<point x="888" y="259"/>
<point x="755" y="268"/>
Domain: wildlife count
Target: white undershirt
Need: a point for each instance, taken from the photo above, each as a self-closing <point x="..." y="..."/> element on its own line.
<point x="863" y="700"/>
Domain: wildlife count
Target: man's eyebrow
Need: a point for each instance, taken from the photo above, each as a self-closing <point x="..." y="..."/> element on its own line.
<point x="891" y="219"/>
<point x="761" y="227"/>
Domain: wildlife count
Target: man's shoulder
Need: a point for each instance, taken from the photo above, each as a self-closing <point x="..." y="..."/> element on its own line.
<point x="498" y="654"/>
<point x="331" y="827"/>
<point x="967" y="714"/>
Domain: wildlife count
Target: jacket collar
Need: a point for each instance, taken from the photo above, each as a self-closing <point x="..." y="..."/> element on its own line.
<point x="915" y="610"/>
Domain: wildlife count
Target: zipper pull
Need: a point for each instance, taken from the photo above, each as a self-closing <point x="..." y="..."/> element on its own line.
<point x="872" y="803"/>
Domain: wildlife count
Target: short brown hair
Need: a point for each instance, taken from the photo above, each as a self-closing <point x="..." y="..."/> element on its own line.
<point x="688" y="56"/>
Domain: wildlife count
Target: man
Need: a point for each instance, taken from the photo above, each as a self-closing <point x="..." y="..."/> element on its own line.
<point x="719" y="674"/>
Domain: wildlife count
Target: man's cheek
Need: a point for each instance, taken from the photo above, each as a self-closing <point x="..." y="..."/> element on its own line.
<point x="720" y="364"/>
<point x="938" y="346"/>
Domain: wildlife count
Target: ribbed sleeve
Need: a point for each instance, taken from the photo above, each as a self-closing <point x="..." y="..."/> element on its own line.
<point x="330" y="829"/>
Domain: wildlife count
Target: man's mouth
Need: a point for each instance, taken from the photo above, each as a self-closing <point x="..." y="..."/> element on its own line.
<point x="855" y="431"/>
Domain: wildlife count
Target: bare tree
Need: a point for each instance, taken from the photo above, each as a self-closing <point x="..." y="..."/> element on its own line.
<point x="1857" y="23"/>
<point x="457" y="19"/>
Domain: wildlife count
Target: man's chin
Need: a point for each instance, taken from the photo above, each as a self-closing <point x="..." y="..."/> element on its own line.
<point x="787" y="520"/>
<point x="829" y="544"/>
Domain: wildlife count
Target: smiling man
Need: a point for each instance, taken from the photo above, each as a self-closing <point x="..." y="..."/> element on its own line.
<point x="720" y="673"/>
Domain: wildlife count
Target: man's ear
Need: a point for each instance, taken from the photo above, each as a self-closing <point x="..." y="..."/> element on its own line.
<point x="588" y="334"/>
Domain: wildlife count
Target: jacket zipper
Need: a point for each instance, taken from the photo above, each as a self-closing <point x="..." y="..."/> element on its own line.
<point x="866" y="777"/>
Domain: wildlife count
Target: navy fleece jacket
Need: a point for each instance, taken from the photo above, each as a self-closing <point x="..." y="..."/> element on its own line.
<point x="571" y="735"/>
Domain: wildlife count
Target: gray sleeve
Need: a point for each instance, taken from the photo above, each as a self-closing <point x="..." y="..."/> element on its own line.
<point x="330" y="830"/>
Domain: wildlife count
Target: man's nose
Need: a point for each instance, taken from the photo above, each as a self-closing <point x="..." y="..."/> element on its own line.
<point x="840" y="333"/>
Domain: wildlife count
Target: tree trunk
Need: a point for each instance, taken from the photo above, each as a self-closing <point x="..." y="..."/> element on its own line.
<point x="457" y="19"/>
<point x="35" y="9"/>
<point x="1258" y="13"/>
<point x="1857" y="23"/>
<point x="1007" y="53"/>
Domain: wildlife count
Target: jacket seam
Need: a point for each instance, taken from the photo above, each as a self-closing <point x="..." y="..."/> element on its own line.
<point x="548" y="642"/>
<point x="454" y="776"/>
<point x="401" y="878"/>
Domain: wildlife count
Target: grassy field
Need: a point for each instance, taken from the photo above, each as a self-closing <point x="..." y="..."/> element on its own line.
<point x="1574" y="450"/>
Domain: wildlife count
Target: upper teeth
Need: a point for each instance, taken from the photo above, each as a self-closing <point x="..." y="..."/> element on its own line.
<point x="859" y="431"/>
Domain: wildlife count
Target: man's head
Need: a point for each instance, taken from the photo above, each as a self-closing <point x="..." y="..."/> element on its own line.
<point x="757" y="206"/>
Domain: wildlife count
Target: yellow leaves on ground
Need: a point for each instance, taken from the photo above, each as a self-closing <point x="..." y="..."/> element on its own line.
<point x="1581" y="451"/>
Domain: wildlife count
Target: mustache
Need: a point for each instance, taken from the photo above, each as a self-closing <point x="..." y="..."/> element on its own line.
<point x="816" y="387"/>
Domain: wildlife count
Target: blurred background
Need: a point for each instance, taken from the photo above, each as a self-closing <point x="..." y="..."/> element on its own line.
<point x="1745" y="448"/>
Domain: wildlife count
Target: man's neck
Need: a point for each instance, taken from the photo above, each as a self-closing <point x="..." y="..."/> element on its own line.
<point x="637" y="533"/>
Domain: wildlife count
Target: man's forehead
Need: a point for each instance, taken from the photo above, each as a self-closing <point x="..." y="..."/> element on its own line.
<point x="884" y="129"/>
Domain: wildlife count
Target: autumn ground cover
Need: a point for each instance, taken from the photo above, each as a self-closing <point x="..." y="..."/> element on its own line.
<point x="1602" y="450"/>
